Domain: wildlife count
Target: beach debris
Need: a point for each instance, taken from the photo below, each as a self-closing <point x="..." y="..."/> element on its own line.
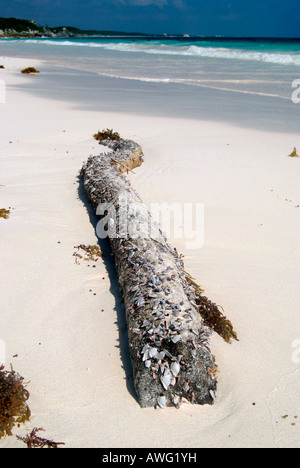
<point x="29" y="70"/>
<point x="4" y="213"/>
<point x="169" y="320"/>
<point x="32" y="440"/>
<point x="166" y="380"/>
<point x="13" y="396"/>
<point x="124" y="165"/>
<point x="294" y="153"/>
<point x="175" y="368"/>
<point x="175" y="339"/>
<point x="210" y="312"/>
<point x="107" y="135"/>
<point x="87" y="253"/>
<point x="162" y="401"/>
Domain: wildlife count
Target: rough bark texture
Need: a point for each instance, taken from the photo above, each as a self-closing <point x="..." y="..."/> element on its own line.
<point x="169" y="343"/>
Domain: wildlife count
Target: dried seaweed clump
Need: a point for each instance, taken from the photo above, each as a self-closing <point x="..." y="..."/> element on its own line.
<point x="107" y="135"/>
<point x="13" y="397"/>
<point x="88" y="253"/>
<point x="294" y="153"/>
<point x="29" y="70"/>
<point x="211" y="314"/>
<point x="32" y="440"/>
<point x="4" y="213"/>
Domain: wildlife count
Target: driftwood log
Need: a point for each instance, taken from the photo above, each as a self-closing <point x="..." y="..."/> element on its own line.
<point x="169" y="341"/>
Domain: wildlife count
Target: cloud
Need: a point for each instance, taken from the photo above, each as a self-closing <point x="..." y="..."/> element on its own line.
<point x="180" y="4"/>
<point x="177" y="4"/>
<point x="159" y="3"/>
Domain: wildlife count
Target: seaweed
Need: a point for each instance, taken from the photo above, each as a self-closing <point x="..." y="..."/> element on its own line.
<point x="29" y="70"/>
<point x="91" y="253"/>
<point x="107" y="135"/>
<point x="32" y="440"/>
<point x="294" y="153"/>
<point x="4" y="213"/>
<point x="211" y="314"/>
<point x="13" y="396"/>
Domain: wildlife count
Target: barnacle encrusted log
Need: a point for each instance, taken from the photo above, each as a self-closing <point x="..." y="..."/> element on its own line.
<point x="169" y="343"/>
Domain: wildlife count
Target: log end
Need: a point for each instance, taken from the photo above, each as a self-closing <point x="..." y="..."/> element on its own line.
<point x="195" y="383"/>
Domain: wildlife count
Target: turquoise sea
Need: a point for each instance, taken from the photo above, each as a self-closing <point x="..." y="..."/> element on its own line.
<point x="184" y="67"/>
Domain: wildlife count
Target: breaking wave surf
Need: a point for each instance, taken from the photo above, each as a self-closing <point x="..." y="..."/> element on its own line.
<point x="158" y="48"/>
<point x="216" y="84"/>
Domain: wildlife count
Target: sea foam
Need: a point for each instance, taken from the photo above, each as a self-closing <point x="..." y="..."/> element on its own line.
<point x="179" y="50"/>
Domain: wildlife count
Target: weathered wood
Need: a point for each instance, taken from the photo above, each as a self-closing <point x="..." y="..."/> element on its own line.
<point x="168" y="341"/>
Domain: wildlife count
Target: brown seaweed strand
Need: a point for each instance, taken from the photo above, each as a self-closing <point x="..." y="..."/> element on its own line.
<point x="211" y="314"/>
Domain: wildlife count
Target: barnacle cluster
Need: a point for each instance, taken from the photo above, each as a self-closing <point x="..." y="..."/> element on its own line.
<point x="13" y="396"/>
<point x="169" y="319"/>
<point x="168" y="334"/>
<point x="4" y="213"/>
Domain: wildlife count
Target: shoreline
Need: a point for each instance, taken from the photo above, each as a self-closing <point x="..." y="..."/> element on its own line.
<point x="89" y="91"/>
<point x="80" y="382"/>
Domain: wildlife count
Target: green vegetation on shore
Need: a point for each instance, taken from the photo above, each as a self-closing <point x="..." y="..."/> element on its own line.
<point x="19" y="26"/>
<point x="14" y="27"/>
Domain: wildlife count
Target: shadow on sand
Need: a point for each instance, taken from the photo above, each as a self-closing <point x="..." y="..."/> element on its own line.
<point x="109" y="263"/>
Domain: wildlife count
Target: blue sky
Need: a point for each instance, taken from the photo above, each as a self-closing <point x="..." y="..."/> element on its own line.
<point x="203" y="17"/>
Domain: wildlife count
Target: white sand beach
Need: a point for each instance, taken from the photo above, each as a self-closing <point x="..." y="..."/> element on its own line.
<point x="62" y="322"/>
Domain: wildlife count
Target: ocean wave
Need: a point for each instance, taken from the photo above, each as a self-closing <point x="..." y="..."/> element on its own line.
<point x="219" y="85"/>
<point x="180" y="50"/>
<point x="270" y="57"/>
<point x="140" y="78"/>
